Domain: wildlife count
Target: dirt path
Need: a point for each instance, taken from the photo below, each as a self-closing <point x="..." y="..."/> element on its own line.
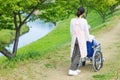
<point x="56" y="68"/>
<point x="107" y="38"/>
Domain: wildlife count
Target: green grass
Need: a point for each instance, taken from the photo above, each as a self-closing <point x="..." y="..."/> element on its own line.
<point x="54" y="40"/>
<point x="94" y="19"/>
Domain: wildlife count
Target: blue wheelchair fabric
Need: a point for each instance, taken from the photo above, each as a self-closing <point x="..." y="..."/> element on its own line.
<point x="90" y="49"/>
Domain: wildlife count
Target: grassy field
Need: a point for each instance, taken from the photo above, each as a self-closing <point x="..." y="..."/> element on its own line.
<point x="50" y="43"/>
<point x="59" y="36"/>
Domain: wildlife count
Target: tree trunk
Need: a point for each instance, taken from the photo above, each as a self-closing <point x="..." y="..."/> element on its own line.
<point x="54" y="23"/>
<point x="104" y="17"/>
<point x="112" y="10"/>
<point x="102" y="14"/>
<point x="6" y="53"/>
<point x="17" y="34"/>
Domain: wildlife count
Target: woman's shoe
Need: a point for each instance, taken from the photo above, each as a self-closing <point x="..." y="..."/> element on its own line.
<point x="78" y="70"/>
<point x="73" y="72"/>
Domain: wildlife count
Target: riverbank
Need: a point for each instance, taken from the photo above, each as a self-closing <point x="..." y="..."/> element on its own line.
<point x="36" y="31"/>
<point x="7" y="36"/>
<point x="49" y="54"/>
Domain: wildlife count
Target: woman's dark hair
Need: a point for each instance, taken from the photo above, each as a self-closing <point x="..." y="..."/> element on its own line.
<point x="80" y="11"/>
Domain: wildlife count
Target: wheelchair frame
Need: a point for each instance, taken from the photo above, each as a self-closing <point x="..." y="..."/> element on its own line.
<point x="96" y="59"/>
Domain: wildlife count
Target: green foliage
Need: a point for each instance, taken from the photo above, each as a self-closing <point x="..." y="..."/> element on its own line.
<point x="111" y="2"/>
<point x="1" y="46"/>
<point x="9" y="9"/>
<point x="6" y="36"/>
<point x="59" y="10"/>
<point x="24" y="29"/>
<point x="94" y="19"/>
<point x="9" y="6"/>
<point x="6" y="22"/>
<point x="101" y="6"/>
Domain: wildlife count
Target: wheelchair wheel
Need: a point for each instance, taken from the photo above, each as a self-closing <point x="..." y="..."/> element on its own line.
<point x="97" y="60"/>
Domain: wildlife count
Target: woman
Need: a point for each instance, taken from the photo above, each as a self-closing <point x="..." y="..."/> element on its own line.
<point x="80" y="34"/>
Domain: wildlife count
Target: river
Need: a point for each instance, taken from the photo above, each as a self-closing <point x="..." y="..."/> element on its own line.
<point x="37" y="30"/>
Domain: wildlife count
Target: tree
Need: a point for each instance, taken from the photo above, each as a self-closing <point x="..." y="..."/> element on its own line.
<point x="15" y="10"/>
<point x="59" y="10"/>
<point x="50" y="10"/>
<point x="102" y="6"/>
<point x="112" y="5"/>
